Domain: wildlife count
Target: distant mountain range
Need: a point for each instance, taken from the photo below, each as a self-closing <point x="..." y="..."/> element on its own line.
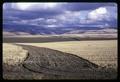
<point x="33" y="30"/>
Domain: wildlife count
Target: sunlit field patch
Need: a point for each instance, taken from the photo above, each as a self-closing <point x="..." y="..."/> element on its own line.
<point x="13" y="55"/>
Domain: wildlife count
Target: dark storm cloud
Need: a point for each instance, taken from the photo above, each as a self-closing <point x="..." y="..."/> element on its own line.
<point x="85" y="6"/>
<point x="66" y="14"/>
<point x="31" y="14"/>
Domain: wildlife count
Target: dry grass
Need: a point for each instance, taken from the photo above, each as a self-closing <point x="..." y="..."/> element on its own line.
<point x="103" y="53"/>
<point x="12" y="54"/>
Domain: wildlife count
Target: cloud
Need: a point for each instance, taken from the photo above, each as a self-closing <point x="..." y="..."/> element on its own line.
<point x="98" y="14"/>
<point x="106" y="15"/>
<point x="69" y="17"/>
<point x="34" y="11"/>
<point x="103" y="13"/>
<point x="36" y="6"/>
<point x="50" y="26"/>
<point x="35" y="22"/>
<point x="51" y="21"/>
<point x="61" y="14"/>
<point x="75" y="6"/>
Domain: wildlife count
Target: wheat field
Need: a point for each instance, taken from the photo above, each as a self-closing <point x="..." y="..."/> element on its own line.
<point x="12" y="54"/>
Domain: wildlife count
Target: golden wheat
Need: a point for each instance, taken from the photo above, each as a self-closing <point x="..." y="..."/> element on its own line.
<point x="13" y="54"/>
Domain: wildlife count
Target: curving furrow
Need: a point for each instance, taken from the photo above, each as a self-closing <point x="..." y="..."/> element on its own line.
<point x="63" y="65"/>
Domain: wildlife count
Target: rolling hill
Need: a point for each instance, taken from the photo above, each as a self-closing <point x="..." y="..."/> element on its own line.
<point x="39" y="30"/>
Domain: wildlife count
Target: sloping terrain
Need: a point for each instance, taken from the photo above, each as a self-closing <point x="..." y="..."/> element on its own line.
<point x="45" y="63"/>
<point x="57" y="38"/>
<point x="100" y="52"/>
<point x="38" y="31"/>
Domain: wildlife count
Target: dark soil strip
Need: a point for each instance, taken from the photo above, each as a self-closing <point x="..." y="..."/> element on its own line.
<point x="48" y="61"/>
<point x="50" y="39"/>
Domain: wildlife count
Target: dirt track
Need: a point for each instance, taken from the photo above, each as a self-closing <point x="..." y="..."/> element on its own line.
<point x="53" y="62"/>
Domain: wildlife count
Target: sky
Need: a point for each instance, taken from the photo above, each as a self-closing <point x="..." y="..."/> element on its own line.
<point x="62" y="14"/>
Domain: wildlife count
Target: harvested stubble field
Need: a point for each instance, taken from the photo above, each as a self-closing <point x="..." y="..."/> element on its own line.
<point x="67" y="60"/>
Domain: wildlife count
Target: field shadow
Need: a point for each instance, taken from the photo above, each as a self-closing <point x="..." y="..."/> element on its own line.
<point x="49" y="39"/>
<point x="45" y="63"/>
